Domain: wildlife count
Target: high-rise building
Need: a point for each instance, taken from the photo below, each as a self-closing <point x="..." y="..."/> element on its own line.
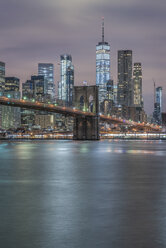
<point x="110" y="89"/>
<point x="69" y="85"/>
<point x="40" y="86"/>
<point x="59" y="90"/>
<point x="67" y="78"/>
<point x="11" y="117"/>
<point x="2" y="86"/>
<point x="12" y="84"/>
<point x="102" y="66"/>
<point x="137" y="85"/>
<point x="2" y="76"/>
<point x="28" y="115"/>
<point x="115" y="92"/>
<point x="47" y="70"/>
<point x="157" y="114"/>
<point x="28" y="90"/>
<point x="34" y="89"/>
<point x="125" y="77"/>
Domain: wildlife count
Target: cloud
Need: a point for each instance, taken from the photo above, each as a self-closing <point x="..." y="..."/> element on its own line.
<point x="38" y="30"/>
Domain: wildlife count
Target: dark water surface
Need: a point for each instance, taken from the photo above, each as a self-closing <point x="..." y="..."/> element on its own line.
<point x="66" y="194"/>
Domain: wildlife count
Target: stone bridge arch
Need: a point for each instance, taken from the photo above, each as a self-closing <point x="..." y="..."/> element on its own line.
<point x="86" y="128"/>
<point x="90" y="96"/>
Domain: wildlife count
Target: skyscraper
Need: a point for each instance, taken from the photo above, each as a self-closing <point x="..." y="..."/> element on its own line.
<point x="157" y="114"/>
<point x="2" y="76"/>
<point x="28" y="90"/>
<point x="125" y="77"/>
<point x="110" y="89"/>
<point x="12" y="84"/>
<point x="28" y="115"/>
<point x="40" y="86"/>
<point x="47" y="70"/>
<point x="102" y="66"/>
<point x="137" y="85"/>
<point x="69" y="85"/>
<point x="67" y="78"/>
<point x="11" y="117"/>
<point x="2" y="85"/>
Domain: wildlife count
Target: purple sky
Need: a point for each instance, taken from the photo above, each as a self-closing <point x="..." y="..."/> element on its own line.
<point x="39" y="31"/>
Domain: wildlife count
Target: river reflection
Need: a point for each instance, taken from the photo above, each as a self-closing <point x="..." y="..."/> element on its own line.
<point x="68" y="194"/>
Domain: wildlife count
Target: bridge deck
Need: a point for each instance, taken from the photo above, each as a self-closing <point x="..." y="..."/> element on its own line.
<point x="67" y="111"/>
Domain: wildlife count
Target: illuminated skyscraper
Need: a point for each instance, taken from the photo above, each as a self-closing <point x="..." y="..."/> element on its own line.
<point x="102" y="66"/>
<point x="110" y="89"/>
<point x="67" y="78"/>
<point x="40" y="87"/>
<point x="28" y="115"/>
<point x="157" y="114"/>
<point x="11" y="117"/>
<point x="2" y="76"/>
<point x="47" y="70"/>
<point x="2" y="85"/>
<point x="12" y="84"/>
<point x="137" y="85"/>
<point x="70" y="84"/>
<point x="28" y="90"/>
<point x="125" y="77"/>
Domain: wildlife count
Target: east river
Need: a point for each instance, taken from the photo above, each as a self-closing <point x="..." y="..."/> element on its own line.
<point x="66" y="194"/>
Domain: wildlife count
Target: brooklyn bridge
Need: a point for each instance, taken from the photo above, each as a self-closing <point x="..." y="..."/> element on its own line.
<point x="86" y="120"/>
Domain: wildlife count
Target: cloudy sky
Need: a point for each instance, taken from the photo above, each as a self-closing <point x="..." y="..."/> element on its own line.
<point x="39" y="31"/>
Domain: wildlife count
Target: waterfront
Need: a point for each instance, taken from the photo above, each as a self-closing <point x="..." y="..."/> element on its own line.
<point x="70" y="194"/>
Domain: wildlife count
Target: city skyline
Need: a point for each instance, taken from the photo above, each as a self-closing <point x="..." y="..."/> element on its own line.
<point x="42" y="38"/>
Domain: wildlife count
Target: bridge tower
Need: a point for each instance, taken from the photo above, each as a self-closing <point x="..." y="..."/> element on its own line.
<point x="85" y="98"/>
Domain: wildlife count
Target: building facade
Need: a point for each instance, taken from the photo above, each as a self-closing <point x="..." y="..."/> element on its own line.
<point x="2" y="76"/>
<point x="40" y="87"/>
<point x="28" y="90"/>
<point x="125" y="86"/>
<point x="12" y="84"/>
<point x="44" y="121"/>
<point x="110" y="90"/>
<point x="2" y="86"/>
<point x="70" y="85"/>
<point x="47" y="70"/>
<point x="137" y="85"/>
<point x="11" y="117"/>
<point x="28" y="115"/>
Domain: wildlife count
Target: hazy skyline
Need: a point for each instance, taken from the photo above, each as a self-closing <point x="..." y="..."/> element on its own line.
<point x="40" y="31"/>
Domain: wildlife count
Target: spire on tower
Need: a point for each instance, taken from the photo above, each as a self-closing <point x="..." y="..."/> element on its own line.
<point x="102" y="29"/>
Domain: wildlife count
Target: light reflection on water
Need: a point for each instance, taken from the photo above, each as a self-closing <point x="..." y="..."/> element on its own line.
<point x="83" y="194"/>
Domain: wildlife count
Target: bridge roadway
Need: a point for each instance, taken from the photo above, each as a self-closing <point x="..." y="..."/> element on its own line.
<point x="68" y="111"/>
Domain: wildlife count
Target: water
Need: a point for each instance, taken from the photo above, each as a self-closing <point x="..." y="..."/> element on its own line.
<point x="65" y="194"/>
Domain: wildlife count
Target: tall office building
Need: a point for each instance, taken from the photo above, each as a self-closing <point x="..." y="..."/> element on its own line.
<point x="137" y="85"/>
<point x="67" y="78"/>
<point x="69" y="85"/>
<point x="11" y="117"/>
<point x="2" y="76"/>
<point x="157" y="114"/>
<point x="125" y="78"/>
<point x="102" y="66"/>
<point x="59" y="90"/>
<point x="47" y="70"/>
<point x="2" y="86"/>
<point x="12" y="84"/>
<point x="40" y="87"/>
<point x="110" y="89"/>
<point x="28" y="90"/>
<point x="28" y="115"/>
